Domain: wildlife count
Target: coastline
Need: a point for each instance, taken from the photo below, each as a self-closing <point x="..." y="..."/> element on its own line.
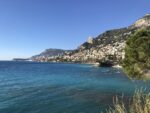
<point x="96" y="64"/>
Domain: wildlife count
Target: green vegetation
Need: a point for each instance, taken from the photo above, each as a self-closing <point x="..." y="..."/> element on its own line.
<point x="137" y="54"/>
<point x="140" y="103"/>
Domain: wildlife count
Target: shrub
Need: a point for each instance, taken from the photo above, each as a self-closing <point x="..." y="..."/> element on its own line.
<point x="140" y="103"/>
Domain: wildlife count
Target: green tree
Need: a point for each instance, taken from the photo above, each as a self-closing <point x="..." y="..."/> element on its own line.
<point x="137" y="54"/>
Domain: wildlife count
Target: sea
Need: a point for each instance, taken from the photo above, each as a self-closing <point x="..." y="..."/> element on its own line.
<point x="33" y="87"/>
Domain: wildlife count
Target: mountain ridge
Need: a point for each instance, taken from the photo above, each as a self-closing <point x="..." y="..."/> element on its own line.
<point x="108" y="46"/>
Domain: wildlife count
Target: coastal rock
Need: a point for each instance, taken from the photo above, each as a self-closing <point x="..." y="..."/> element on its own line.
<point x="147" y="73"/>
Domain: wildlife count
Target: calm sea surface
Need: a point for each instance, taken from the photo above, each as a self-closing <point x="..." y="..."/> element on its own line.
<point x="28" y="87"/>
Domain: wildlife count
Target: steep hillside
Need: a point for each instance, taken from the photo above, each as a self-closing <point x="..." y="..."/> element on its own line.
<point x="108" y="46"/>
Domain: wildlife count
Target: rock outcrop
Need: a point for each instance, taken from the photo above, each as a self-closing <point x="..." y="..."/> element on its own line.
<point x="143" y="22"/>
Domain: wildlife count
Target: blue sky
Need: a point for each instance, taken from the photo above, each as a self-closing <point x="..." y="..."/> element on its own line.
<point x="28" y="27"/>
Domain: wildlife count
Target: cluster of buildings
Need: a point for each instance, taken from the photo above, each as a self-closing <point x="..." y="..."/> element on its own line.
<point x="94" y="54"/>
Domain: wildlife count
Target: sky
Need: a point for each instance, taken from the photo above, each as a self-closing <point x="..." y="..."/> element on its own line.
<point x="28" y="27"/>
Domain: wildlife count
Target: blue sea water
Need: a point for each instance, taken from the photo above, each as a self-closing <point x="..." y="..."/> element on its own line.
<point x="30" y="87"/>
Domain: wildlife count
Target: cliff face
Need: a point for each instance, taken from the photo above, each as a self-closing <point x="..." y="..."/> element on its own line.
<point x="108" y="46"/>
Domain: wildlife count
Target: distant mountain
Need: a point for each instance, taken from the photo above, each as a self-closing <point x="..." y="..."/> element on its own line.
<point x="108" y="46"/>
<point x="48" y="53"/>
<point x="21" y="59"/>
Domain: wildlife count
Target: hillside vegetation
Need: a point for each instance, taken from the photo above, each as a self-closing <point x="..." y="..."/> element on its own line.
<point x="137" y="55"/>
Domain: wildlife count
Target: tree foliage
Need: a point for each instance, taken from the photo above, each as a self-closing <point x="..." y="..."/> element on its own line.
<point x="137" y="54"/>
